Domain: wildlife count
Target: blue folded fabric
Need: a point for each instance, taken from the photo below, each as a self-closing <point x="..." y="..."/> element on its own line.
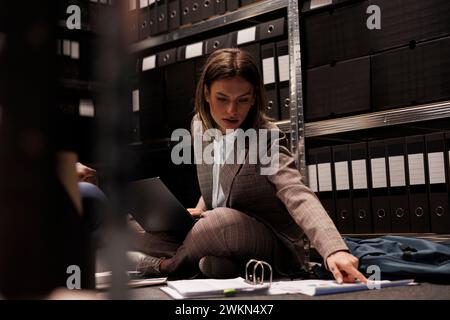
<point x="403" y="257"/>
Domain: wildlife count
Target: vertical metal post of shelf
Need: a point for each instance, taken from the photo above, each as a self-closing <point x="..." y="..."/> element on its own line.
<point x="296" y="97"/>
<point x="112" y="68"/>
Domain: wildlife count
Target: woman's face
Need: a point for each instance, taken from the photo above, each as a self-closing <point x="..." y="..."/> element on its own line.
<point x="230" y="101"/>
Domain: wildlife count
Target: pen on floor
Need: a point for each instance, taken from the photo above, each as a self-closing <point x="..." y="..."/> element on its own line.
<point x="229" y="292"/>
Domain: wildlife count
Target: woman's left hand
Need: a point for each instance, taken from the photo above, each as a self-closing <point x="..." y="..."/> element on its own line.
<point x="86" y="174"/>
<point x="344" y="267"/>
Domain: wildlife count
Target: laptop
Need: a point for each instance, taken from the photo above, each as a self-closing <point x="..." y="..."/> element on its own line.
<point x="155" y="208"/>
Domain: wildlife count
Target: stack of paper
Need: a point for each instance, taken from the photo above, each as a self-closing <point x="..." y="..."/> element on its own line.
<point x="103" y="281"/>
<point x="202" y="288"/>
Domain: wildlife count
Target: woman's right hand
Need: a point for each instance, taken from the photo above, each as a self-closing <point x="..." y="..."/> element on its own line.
<point x="195" y="212"/>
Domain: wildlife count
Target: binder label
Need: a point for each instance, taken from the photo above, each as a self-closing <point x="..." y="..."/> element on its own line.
<point x="194" y="50"/>
<point x="416" y="169"/>
<point x="246" y="35"/>
<point x="86" y="108"/>
<point x="359" y="174"/>
<point x="268" y="65"/>
<point x="319" y="3"/>
<point x="325" y="182"/>
<point x="132" y="5"/>
<point x="149" y="63"/>
<point x="75" y="50"/>
<point x="283" y="68"/>
<point x="341" y="174"/>
<point x="143" y="4"/>
<point x="436" y="167"/>
<point x="135" y="100"/>
<point x="379" y="179"/>
<point x="312" y="178"/>
<point x="66" y="47"/>
<point x="397" y="171"/>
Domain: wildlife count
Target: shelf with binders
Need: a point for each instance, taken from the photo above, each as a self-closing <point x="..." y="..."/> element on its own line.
<point x="242" y="15"/>
<point x="160" y="107"/>
<point x="350" y="69"/>
<point x="384" y="181"/>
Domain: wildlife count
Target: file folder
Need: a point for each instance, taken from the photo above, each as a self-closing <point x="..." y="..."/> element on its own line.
<point x="167" y="57"/>
<point x="220" y="42"/>
<point x="381" y="212"/>
<point x="180" y="93"/>
<point x="232" y="5"/>
<point x="398" y="191"/>
<point x="196" y="13"/>
<point x="414" y="20"/>
<point x="337" y="34"/>
<point x="161" y="16"/>
<point x="344" y="207"/>
<point x="144" y="20"/>
<point x="438" y="184"/>
<point x="151" y="98"/>
<point x="283" y="79"/>
<point x="337" y="90"/>
<point x="255" y="51"/>
<point x="270" y="80"/>
<point x="220" y="7"/>
<point x="325" y="176"/>
<point x="360" y="183"/>
<point x="135" y="117"/>
<point x="207" y="8"/>
<point x="199" y="64"/>
<point x="311" y="165"/>
<point x="174" y="14"/>
<point x="411" y="75"/>
<point x="186" y="15"/>
<point x="153" y="17"/>
<point x="271" y="29"/>
<point x="94" y="16"/>
<point x="133" y="24"/>
<point x="417" y="178"/>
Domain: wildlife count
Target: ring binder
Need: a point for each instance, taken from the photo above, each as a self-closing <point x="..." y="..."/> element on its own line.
<point x="251" y="278"/>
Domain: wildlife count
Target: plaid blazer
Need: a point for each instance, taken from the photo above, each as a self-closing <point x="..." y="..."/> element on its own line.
<point x="281" y="201"/>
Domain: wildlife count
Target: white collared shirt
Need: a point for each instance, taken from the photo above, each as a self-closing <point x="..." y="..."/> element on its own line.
<point x="220" y="157"/>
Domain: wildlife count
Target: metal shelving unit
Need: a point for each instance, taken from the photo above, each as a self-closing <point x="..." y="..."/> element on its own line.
<point x="241" y="14"/>
<point x="425" y="112"/>
<point x="297" y="126"/>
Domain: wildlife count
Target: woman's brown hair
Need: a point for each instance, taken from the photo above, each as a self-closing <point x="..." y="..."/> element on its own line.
<point x="229" y="63"/>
